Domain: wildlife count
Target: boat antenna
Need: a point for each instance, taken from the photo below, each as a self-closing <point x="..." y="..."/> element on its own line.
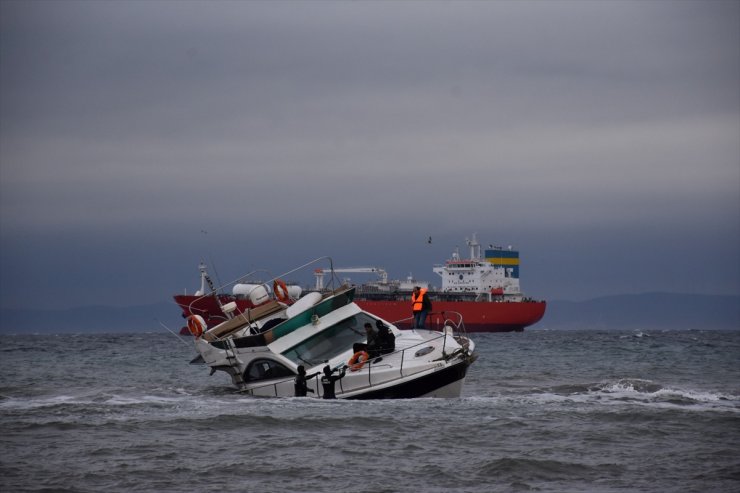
<point x="218" y="278"/>
<point x="210" y="260"/>
<point x="171" y="332"/>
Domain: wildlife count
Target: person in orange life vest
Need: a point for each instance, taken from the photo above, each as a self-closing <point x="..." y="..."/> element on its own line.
<point x="420" y="305"/>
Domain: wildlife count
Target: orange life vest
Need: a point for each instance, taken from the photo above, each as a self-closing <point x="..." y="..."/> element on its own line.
<point x="416" y="301"/>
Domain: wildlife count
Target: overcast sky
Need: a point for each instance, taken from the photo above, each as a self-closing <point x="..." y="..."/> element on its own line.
<point x="601" y="139"/>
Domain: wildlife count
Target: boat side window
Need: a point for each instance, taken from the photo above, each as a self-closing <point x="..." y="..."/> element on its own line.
<point x="263" y="369"/>
<point x="331" y="341"/>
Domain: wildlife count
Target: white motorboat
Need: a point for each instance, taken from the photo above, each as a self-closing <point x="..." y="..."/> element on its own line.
<point x="262" y="348"/>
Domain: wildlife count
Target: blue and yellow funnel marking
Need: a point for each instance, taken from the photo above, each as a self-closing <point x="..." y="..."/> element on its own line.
<point x="504" y="258"/>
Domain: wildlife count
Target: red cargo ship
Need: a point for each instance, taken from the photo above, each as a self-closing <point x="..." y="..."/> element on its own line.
<point x="484" y="290"/>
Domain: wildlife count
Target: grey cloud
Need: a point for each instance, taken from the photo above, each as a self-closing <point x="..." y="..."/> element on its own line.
<point x="515" y="117"/>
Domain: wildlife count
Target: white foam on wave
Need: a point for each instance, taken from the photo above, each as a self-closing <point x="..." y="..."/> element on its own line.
<point x="646" y="392"/>
<point x="643" y="387"/>
<point x="132" y="400"/>
<point x="17" y="403"/>
<point x="629" y="385"/>
<point x="699" y="396"/>
<point x="625" y="391"/>
<point x="96" y="399"/>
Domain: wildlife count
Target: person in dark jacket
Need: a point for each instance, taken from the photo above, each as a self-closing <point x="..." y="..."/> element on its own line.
<point x="372" y="340"/>
<point x="328" y="380"/>
<point x="301" y="382"/>
<point x="370" y="333"/>
<point x="386" y="341"/>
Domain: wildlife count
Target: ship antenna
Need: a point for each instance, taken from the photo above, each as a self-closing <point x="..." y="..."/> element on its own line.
<point x="205" y="278"/>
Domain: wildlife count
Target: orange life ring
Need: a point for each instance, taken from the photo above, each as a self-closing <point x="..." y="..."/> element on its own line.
<point x="281" y="290"/>
<point x="196" y="325"/>
<point x="357" y="361"/>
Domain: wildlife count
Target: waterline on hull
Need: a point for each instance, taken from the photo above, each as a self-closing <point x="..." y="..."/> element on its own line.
<point x="450" y="391"/>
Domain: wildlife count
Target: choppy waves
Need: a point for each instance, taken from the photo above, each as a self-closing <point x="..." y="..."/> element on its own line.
<point x="180" y="403"/>
<point x="641" y="392"/>
<point x="540" y="411"/>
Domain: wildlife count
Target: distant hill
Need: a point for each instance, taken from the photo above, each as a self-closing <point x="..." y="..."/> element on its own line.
<point x="143" y="318"/>
<point x="647" y="311"/>
<point x="650" y="311"/>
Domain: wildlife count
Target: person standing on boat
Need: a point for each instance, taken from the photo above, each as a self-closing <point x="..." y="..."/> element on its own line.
<point x="328" y="380"/>
<point x="420" y="305"/>
<point x="301" y="382"/>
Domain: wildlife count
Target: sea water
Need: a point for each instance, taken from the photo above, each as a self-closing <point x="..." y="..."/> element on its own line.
<point x="565" y="411"/>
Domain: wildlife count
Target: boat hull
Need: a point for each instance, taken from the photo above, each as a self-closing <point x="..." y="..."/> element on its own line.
<point x="445" y="383"/>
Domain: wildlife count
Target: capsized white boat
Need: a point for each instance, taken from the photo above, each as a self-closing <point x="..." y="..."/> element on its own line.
<point x="262" y="348"/>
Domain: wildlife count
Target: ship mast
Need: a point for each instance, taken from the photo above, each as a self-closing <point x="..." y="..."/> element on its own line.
<point x="204" y="278"/>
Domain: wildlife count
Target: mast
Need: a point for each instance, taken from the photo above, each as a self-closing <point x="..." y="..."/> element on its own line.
<point x="204" y="278"/>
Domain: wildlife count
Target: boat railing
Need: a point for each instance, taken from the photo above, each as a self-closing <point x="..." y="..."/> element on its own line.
<point x="222" y="289"/>
<point x="440" y="321"/>
<point x="369" y="366"/>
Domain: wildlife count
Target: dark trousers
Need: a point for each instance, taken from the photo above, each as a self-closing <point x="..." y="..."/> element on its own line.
<point x="420" y="320"/>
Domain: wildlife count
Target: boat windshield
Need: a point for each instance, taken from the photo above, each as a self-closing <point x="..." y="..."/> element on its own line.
<point x="330" y="342"/>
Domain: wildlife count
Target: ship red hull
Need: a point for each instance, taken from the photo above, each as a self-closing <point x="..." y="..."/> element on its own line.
<point x="477" y="316"/>
<point x="207" y="307"/>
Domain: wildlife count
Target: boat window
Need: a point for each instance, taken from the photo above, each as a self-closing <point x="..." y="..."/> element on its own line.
<point x="330" y="342"/>
<point x="263" y="369"/>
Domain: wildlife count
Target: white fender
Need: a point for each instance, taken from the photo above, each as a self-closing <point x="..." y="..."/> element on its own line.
<point x="303" y="304"/>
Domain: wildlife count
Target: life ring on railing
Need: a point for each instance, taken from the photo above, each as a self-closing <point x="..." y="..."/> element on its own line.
<point x="281" y="290"/>
<point x="357" y="361"/>
<point x="196" y="325"/>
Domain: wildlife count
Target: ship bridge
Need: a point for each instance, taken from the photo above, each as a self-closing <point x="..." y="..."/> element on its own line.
<point x="497" y="274"/>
